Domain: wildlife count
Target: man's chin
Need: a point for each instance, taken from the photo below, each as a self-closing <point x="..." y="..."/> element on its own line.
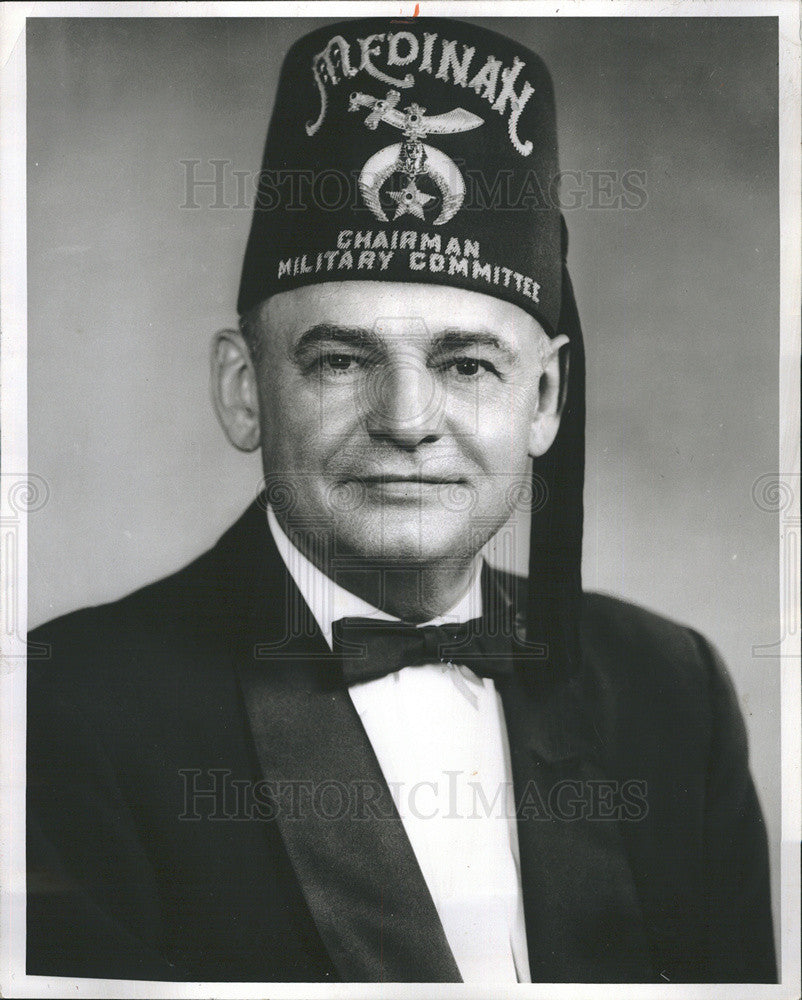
<point x="411" y="541"/>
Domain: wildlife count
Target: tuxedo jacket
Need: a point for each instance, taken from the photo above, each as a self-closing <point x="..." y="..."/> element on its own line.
<point x="642" y="845"/>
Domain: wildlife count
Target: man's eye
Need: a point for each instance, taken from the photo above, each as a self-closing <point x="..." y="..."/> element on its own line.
<point x="469" y="367"/>
<point x="338" y="362"/>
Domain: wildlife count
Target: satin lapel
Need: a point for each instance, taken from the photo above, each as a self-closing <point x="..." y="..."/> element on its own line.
<point x="346" y="842"/>
<point x="583" y="917"/>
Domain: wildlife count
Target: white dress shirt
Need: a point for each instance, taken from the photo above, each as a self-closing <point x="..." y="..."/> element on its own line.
<point x="439" y="734"/>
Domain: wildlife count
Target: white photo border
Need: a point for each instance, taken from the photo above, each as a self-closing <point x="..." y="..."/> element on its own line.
<point x="18" y="491"/>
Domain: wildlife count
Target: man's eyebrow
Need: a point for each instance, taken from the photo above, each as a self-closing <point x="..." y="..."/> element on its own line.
<point x="452" y="339"/>
<point x="457" y="339"/>
<point x="326" y="333"/>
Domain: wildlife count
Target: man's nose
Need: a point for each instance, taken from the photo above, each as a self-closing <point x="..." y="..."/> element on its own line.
<point x="404" y="404"/>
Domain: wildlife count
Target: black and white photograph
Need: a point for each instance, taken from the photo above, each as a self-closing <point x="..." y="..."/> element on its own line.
<point x="400" y="499"/>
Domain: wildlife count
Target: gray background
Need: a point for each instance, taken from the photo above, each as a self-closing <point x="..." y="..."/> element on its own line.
<point x="679" y="303"/>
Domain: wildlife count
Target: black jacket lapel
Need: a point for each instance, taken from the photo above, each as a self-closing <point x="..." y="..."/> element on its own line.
<point x="583" y="918"/>
<point x="346" y="842"/>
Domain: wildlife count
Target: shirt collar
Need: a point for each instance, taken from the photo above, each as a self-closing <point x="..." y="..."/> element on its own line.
<point x="328" y="601"/>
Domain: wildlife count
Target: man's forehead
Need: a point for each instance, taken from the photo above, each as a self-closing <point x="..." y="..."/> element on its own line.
<point x="385" y="310"/>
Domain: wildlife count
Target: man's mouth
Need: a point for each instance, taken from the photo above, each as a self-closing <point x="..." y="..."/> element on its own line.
<point x="405" y="488"/>
<point x="432" y="480"/>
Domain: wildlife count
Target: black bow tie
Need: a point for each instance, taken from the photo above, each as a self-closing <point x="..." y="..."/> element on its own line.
<point x="370" y="648"/>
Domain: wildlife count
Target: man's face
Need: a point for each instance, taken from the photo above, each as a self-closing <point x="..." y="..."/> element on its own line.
<point x="396" y="418"/>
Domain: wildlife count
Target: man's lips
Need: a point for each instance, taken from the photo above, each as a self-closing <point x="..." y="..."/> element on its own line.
<point x="404" y="488"/>
<point x="385" y="478"/>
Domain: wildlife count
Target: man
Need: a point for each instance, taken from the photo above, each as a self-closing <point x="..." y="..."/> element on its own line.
<point x="338" y="746"/>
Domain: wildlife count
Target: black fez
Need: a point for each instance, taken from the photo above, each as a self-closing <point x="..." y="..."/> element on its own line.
<point x="387" y="142"/>
<point x="425" y="151"/>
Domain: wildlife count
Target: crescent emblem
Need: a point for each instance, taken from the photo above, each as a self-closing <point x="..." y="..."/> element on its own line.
<point x="374" y="173"/>
<point x="412" y="157"/>
<point x="442" y="170"/>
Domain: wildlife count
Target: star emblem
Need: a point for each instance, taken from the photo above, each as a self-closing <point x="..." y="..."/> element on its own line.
<point x="410" y="199"/>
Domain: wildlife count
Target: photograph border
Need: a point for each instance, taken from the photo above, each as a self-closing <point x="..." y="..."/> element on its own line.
<point x="19" y="491"/>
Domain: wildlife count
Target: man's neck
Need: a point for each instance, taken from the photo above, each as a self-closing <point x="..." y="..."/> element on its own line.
<point x="413" y="592"/>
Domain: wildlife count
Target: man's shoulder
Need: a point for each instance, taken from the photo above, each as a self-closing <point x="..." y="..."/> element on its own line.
<point x="631" y="648"/>
<point x="605" y="617"/>
<point x="155" y="636"/>
<point x="168" y="599"/>
<point x="157" y="655"/>
<point x="626" y="645"/>
<point x="610" y="622"/>
<point x="197" y="596"/>
<point x="655" y="688"/>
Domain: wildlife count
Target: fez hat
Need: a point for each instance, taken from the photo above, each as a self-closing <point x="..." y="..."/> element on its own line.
<point x="425" y="150"/>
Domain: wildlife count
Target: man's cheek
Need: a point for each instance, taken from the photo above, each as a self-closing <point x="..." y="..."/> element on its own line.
<point x="500" y="449"/>
<point x="325" y="411"/>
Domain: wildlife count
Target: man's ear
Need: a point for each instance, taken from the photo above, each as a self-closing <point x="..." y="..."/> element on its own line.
<point x="234" y="389"/>
<point x="551" y="397"/>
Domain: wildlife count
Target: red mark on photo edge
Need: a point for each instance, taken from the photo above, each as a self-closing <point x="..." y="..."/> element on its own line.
<point x="417" y="10"/>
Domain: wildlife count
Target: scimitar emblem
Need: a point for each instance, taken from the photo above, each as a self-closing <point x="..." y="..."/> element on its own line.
<point x="412" y="157"/>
